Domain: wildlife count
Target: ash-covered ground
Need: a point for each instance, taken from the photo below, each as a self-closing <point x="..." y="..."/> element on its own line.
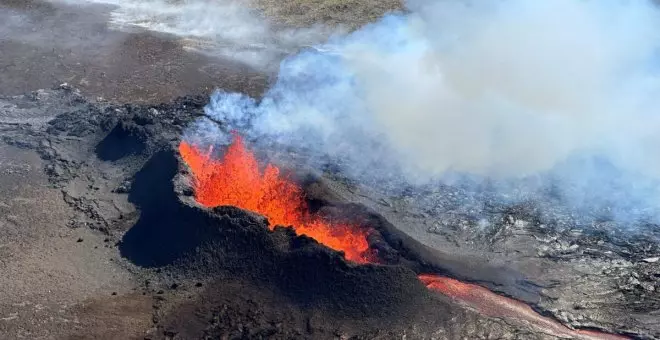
<point x="100" y="237"/>
<point x="132" y="252"/>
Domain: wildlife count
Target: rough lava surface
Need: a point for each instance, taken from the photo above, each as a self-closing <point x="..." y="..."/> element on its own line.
<point x="192" y="272"/>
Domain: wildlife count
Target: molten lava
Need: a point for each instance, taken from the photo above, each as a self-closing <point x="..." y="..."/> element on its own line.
<point x="237" y="180"/>
<point x="493" y="305"/>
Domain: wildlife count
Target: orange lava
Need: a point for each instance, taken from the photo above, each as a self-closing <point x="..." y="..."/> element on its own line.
<point x="236" y="180"/>
<point x="494" y="305"/>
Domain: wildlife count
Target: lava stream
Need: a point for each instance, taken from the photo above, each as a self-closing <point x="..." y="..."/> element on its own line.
<point x="237" y="180"/>
<point x="494" y="305"/>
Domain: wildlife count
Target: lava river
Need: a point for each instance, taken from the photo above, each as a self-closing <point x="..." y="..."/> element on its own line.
<point x="237" y="180"/>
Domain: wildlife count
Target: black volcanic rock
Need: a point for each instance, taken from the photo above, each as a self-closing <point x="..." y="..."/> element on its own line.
<point x="262" y="283"/>
<point x="125" y="139"/>
<point x="189" y="240"/>
<point x="396" y="248"/>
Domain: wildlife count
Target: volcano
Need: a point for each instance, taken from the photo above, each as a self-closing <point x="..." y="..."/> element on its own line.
<point x="236" y="180"/>
<point x="279" y="206"/>
<point x="229" y="244"/>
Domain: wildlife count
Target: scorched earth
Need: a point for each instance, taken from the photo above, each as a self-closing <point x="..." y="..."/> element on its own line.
<point x="114" y="225"/>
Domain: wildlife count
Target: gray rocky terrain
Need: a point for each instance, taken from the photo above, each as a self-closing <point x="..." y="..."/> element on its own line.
<point x="101" y="239"/>
<point x="106" y="178"/>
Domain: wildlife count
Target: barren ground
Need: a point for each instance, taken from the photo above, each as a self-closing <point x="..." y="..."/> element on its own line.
<point x="78" y="260"/>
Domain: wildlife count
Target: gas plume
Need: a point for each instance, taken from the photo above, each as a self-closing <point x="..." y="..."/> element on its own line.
<point x="534" y="96"/>
<point x="223" y="28"/>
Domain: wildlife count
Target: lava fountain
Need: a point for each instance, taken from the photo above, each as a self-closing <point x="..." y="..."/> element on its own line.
<point x="237" y="180"/>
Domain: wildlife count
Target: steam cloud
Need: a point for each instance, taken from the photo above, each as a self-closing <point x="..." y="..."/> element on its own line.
<point x="555" y="95"/>
<point x="226" y="28"/>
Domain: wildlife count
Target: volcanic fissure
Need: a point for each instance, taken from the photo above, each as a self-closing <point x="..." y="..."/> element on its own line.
<point x="237" y="180"/>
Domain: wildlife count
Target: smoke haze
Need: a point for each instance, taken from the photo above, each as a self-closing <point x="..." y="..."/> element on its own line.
<point x="562" y="92"/>
<point x="224" y="28"/>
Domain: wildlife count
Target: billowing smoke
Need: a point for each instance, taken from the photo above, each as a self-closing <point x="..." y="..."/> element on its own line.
<point x="553" y="96"/>
<point x="222" y="28"/>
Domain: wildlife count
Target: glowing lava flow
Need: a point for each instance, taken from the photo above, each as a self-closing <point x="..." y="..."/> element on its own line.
<point x="493" y="305"/>
<point x="237" y="180"/>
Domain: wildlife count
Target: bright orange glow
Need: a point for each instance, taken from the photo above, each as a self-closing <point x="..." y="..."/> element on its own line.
<point x="237" y="180"/>
<point x="493" y="305"/>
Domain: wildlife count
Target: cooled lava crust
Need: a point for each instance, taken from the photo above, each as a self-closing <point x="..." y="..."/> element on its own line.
<point x="176" y="232"/>
<point x="222" y="272"/>
<point x="174" y="229"/>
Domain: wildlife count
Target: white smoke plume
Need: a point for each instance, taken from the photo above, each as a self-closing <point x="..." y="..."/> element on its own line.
<point x="565" y="91"/>
<point x="223" y="28"/>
